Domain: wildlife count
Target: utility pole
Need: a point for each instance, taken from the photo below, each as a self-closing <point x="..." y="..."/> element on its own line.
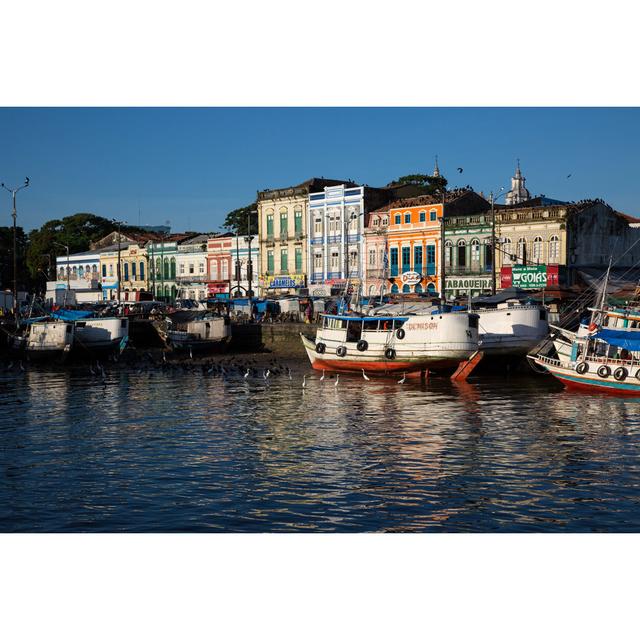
<point x="60" y="244"/>
<point x="250" y="262"/>
<point x="493" y="240"/>
<point x="118" y="269"/>
<point x="238" y="268"/>
<point x="443" y="271"/>
<point x="14" y="215"/>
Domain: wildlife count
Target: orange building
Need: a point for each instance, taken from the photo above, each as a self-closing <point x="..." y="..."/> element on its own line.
<point x="411" y="258"/>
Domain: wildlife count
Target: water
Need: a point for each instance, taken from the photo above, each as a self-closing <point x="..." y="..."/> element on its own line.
<point x="184" y="451"/>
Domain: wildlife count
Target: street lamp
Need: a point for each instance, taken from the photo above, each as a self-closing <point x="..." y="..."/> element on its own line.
<point x="493" y="199"/>
<point x="13" y="193"/>
<point x="60" y="244"/>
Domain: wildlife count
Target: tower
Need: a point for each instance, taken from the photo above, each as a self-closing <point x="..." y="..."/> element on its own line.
<point x="436" y="171"/>
<point x="519" y="192"/>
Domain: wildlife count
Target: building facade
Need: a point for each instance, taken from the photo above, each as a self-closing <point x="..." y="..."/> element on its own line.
<point x="191" y="268"/>
<point x="219" y="265"/>
<point x="245" y="257"/>
<point x="134" y="271"/>
<point x="283" y="216"/>
<point x="163" y="269"/>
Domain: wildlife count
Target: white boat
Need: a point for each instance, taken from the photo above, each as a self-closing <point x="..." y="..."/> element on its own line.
<point x="196" y="333"/>
<point x="512" y="328"/>
<point x="45" y="340"/>
<point x="384" y="343"/>
<point x="99" y="335"/>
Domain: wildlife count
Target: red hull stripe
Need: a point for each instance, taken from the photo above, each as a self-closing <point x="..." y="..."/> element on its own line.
<point x="608" y="386"/>
<point x="391" y="366"/>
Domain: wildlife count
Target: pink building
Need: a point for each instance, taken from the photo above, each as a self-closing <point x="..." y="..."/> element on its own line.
<point x="375" y="273"/>
<point x="219" y="258"/>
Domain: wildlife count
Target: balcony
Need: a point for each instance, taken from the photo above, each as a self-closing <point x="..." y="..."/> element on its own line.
<point x="472" y="270"/>
<point x="192" y="278"/>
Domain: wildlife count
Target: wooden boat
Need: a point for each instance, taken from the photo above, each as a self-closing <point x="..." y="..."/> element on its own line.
<point x="186" y="330"/>
<point x="43" y="339"/>
<point x="388" y="344"/>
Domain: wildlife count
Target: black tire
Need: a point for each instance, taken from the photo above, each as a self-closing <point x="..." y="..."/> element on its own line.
<point x="341" y="351"/>
<point x="638" y="374"/>
<point x="362" y="345"/>
<point x="390" y="353"/>
<point x="321" y="347"/>
<point x="620" y="374"/>
<point x="400" y="333"/>
<point x="582" y="368"/>
<point x="604" y="371"/>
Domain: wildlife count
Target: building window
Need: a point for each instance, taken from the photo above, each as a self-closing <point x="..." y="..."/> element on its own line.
<point x="141" y="270"/>
<point x="407" y="218"/>
<point x="372" y="257"/>
<point x="191" y="269"/>
<point x="284" y="261"/>
<point x="554" y="249"/>
<point x="182" y="268"/>
<point x="284" y="222"/>
<point x="398" y="218"/>
<point x="126" y="271"/>
<point x="406" y="258"/>
<point x="318" y="226"/>
<point x="385" y="220"/>
<point x="393" y="259"/>
<point x="537" y="250"/>
<point x="522" y="250"/>
<point x="462" y="253"/>
<point x="353" y="259"/>
<point x="133" y="270"/>
<point x="475" y="252"/>
<point x="270" y="226"/>
<point x="433" y="215"/>
<point x="298" y="260"/>
<point x="334" y="260"/>
<point x="448" y="253"/>
<point x="104" y="271"/>
<point x="111" y="270"/>
<point x="270" y="263"/>
<point x="488" y="256"/>
<point x="423" y="216"/>
<point x="213" y="268"/>
<point x="506" y="250"/>
<point x="224" y="264"/>
<point x="376" y="222"/>
<point x="317" y="261"/>
<point x="297" y="213"/>
<point x="417" y="258"/>
<point x="201" y="268"/>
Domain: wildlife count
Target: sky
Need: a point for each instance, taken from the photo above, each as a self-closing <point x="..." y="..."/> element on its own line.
<point x="190" y="166"/>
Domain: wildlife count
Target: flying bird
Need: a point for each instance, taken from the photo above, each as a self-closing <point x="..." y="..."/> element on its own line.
<point x="459" y="169"/>
<point x="569" y="176"/>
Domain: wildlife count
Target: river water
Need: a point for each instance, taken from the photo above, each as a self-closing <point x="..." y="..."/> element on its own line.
<point x="185" y="450"/>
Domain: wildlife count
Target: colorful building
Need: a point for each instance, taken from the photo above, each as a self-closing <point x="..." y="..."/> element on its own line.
<point x="219" y="265"/>
<point x="134" y="270"/>
<point x="336" y="224"/>
<point x="245" y="258"/>
<point x="191" y="268"/>
<point x="282" y="233"/>
<point x="163" y="268"/>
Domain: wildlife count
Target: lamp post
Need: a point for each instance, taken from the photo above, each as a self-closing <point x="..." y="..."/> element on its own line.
<point x="250" y="261"/>
<point x="14" y="215"/>
<point x="493" y="199"/>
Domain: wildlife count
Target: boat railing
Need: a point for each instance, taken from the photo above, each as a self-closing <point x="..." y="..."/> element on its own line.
<point x="607" y="360"/>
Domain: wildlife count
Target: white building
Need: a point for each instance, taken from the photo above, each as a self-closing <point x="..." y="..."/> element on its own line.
<point x="191" y="268"/>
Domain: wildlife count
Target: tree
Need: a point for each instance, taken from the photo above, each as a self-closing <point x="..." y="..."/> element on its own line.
<point x="6" y="258"/>
<point x="77" y="232"/>
<point x="238" y="220"/>
<point x="433" y="185"/>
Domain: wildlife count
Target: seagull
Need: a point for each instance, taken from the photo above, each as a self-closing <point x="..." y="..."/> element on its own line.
<point x="322" y="378"/>
<point x="335" y="384"/>
<point x="304" y="380"/>
<point x="365" y="376"/>
<point x="404" y="377"/>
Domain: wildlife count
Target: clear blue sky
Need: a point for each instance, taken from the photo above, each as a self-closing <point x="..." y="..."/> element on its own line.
<point x="191" y="166"/>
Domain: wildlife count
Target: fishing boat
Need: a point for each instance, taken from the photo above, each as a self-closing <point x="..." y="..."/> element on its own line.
<point x="385" y="343"/>
<point x="43" y="339"/>
<point x="195" y="331"/>
<point x="95" y="335"/>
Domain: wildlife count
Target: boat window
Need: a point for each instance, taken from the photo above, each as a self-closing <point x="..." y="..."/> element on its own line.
<point x="370" y="325"/>
<point x="68" y="328"/>
<point x="123" y="323"/>
<point x="473" y="322"/>
<point x="398" y="323"/>
<point x="353" y="331"/>
<point x="335" y="323"/>
<point x="81" y="324"/>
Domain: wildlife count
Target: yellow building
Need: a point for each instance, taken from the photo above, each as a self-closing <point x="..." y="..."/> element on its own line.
<point x="134" y="271"/>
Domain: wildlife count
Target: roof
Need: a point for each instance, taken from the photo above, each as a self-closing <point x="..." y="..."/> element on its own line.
<point x="451" y="197"/>
<point x="310" y="185"/>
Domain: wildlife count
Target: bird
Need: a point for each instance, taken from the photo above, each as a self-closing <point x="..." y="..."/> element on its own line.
<point x="164" y="357"/>
<point x="268" y="373"/>
<point x="365" y="376"/>
<point x="190" y="353"/>
<point x="246" y="375"/>
<point x="335" y="384"/>
<point x="288" y="369"/>
<point x="459" y="169"/>
<point x="569" y="176"/>
<point x="304" y="380"/>
<point x="404" y="377"/>
<point x="322" y="378"/>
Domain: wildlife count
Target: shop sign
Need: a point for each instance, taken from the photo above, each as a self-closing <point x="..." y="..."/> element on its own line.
<point x="411" y="278"/>
<point x="109" y="282"/>
<point x="529" y="277"/>
<point x="465" y="284"/>
<point x="283" y="282"/>
<point x="320" y="290"/>
<point x="214" y="288"/>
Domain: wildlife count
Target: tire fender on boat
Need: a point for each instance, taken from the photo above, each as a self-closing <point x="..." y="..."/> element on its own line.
<point x="321" y="347"/>
<point x="400" y="333"/>
<point x="362" y="345"/>
<point x="389" y="353"/>
<point x="620" y="374"/>
<point x="582" y="368"/>
<point x="341" y="351"/>
<point x="604" y="371"/>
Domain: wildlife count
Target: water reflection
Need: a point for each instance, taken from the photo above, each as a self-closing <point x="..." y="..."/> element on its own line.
<point x="183" y="451"/>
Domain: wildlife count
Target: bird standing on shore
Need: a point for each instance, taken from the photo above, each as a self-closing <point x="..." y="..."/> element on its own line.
<point x="304" y="380"/>
<point x="335" y="384"/>
<point x="365" y="376"/>
<point x="404" y="377"/>
<point x="322" y="378"/>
